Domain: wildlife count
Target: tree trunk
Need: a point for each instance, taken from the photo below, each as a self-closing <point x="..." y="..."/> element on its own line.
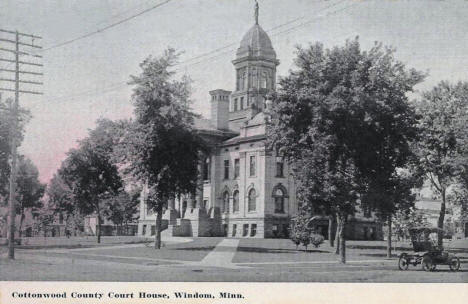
<point x="342" y="239"/>
<point x="20" y="228"/>
<point x="99" y="229"/>
<point x="440" y="222"/>
<point x="389" y="237"/>
<point x="337" y="235"/>
<point x="157" y="235"/>
<point x="330" y="230"/>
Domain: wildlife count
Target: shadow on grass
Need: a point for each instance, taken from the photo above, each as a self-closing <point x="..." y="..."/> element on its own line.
<point x="380" y="255"/>
<point x="206" y="248"/>
<point x="269" y="250"/>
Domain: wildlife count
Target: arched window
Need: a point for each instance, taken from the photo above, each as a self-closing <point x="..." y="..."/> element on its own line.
<point x="279" y="200"/>
<point x="226" y="202"/>
<point x="235" y="201"/>
<point x="252" y="200"/>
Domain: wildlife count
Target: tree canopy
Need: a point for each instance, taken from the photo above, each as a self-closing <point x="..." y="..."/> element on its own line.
<point x="342" y="119"/>
<point x="89" y="172"/>
<point x="160" y="147"/>
<point x="443" y="142"/>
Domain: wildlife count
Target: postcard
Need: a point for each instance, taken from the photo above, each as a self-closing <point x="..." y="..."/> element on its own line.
<point x="233" y="151"/>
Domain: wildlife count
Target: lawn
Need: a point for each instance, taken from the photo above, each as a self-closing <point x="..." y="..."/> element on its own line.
<point x="195" y="250"/>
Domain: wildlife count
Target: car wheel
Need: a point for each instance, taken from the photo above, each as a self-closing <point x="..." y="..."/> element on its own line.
<point x="427" y="263"/>
<point x="454" y="264"/>
<point x="403" y="263"/>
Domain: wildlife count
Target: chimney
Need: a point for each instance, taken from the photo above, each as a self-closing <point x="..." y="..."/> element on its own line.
<point x="220" y="109"/>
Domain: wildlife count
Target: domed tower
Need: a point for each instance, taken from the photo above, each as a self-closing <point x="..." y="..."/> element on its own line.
<point x="255" y="66"/>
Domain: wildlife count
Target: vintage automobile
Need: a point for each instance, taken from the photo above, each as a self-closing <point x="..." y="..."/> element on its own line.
<point x="427" y="252"/>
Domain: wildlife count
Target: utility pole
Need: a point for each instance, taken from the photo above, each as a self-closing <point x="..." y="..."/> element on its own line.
<point x="14" y="111"/>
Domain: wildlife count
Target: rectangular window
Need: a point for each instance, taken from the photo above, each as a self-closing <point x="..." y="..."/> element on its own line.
<point x="253" y="230"/>
<point x="205" y="203"/>
<point x="207" y="170"/>
<point x="274" y="228"/>
<point x="241" y="104"/>
<point x="143" y="232"/>
<point x="226" y="169"/>
<point x="245" y="230"/>
<point x="234" y="229"/>
<point x="236" y="168"/>
<point x="153" y="229"/>
<point x="252" y="165"/>
<point x="279" y="169"/>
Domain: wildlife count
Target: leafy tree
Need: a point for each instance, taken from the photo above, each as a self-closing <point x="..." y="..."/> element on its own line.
<point x="29" y="189"/>
<point x="336" y="119"/>
<point x="43" y="222"/>
<point x="121" y="209"/>
<point x="5" y="141"/>
<point x="161" y="148"/>
<point x="405" y="219"/>
<point x="4" y="149"/>
<point x="60" y="196"/>
<point x="300" y="232"/>
<point x="90" y="173"/>
<point x="442" y="124"/>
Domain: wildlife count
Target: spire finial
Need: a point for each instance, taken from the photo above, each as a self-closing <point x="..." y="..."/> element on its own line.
<point x="256" y="12"/>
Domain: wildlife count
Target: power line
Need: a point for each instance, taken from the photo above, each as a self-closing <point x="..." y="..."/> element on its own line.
<point x="118" y="85"/>
<point x="98" y="31"/>
<point x="15" y="113"/>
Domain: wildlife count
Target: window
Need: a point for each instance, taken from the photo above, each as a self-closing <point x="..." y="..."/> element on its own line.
<point x="207" y="170"/>
<point x="236" y="168"/>
<point x="274" y="228"/>
<point x="143" y="232"/>
<point x="254" y="78"/>
<point x="245" y="229"/>
<point x="253" y="230"/>
<point x="184" y="208"/>
<point x="235" y="201"/>
<point x="226" y="202"/>
<point x="226" y="169"/>
<point x="252" y="165"/>
<point x="235" y="104"/>
<point x="234" y="229"/>
<point x="241" y="104"/>
<point x="205" y="203"/>
<point x="279" y="169"/>
<point x="286" y="230"/>
<point x="252" y="200"/>
<point x="263" y="80"/>
<point x="279" y="201"/>
<point x="153" y="229"/>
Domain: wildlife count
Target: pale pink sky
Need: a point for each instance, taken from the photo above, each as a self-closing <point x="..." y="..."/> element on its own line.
<point x="86" y="79"/>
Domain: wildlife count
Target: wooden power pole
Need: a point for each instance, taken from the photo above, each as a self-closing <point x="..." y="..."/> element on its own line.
<point x="18" y="41"/>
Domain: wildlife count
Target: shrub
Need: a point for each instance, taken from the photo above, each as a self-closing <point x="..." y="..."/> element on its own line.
<point x="316" y="239"/>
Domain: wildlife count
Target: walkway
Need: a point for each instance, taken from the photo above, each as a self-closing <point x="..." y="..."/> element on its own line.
<point x="222" y="255"/>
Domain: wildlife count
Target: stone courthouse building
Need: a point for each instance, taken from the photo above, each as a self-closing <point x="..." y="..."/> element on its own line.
<point x="244" y="189"/>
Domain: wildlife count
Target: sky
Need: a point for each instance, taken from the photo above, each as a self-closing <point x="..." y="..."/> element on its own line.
<point x="87" y="79"/>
